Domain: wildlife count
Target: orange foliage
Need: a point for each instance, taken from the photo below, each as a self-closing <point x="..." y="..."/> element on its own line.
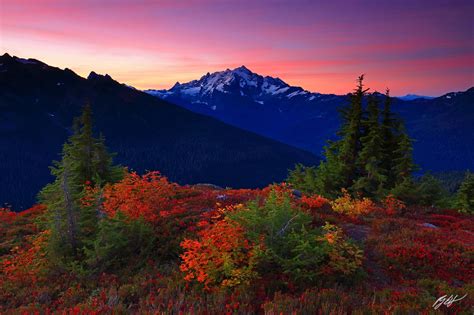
<point x="15" y="226"/>
<point x="24" y="264"/>
<point x="222" y="256"/>
<point x="282" y="189"/>
<point x="352" y="207"/>
<point x="150" y="196"/>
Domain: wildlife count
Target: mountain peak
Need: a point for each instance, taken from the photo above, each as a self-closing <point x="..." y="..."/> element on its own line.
<point x="176" y="85"/>
<point x="95" y="76"/>
<point x="242" y="68"/>
<point x="9" y="58"/>
<point x="238" y="82"/>
<point x="92" y="75"/>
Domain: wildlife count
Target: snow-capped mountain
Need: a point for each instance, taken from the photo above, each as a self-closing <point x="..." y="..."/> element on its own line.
<point x="239" y="82"/>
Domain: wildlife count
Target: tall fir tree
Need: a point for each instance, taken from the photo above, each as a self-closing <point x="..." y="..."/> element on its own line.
<point x="403" y="165"/>
<point x="339" y="170"/>
<point x="85" y="161"/>
<point x="389" y="126"/>
<point x="402" y="184"/>
<point x="372" y="178"/>
<point x="350" y="134"/>
<point x="397" y="156"/>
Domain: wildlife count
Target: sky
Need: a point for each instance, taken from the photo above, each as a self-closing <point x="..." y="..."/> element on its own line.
<point x="411" y="46"/>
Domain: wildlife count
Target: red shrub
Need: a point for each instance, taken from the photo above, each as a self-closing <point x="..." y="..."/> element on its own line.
<point x="314" y="202"/>
<point x="150" y="196"/>
<point x="221" y="257"/>
<point x="392" y="205"/>
<point x="24" y="266"/>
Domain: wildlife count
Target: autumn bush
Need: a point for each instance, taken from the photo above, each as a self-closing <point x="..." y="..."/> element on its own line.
<point x="152" y="201"/>
<point x="273" y="238"/>
<point x="22" y="269"/>
<point x="313" y="202"/>
<point x="345" y="258"/>
<point x="150" y="196"/>
<point x="15" y="227"/>
<point x="221" y="257"/>
<point x="392" y="205"/>
<point x="352" y="206"/>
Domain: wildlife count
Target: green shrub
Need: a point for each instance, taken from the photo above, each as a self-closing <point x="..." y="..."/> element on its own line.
<point x="465" y="195"/>
<point x="290" y="244"/>
<point x="119" y="242"/>
<point x="426" y="191"/>
<point x="431" y="192"/>
<point x="303" y="178"/>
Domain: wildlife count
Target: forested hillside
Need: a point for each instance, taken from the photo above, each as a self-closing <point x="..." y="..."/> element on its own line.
<point x="38" y="103"/>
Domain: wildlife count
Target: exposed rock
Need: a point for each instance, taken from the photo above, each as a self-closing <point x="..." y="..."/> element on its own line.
<point x="296" y="193"/>
<point x="429" y="225"/>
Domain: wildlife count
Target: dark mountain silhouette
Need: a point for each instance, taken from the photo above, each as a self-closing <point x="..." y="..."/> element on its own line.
<point x="38" y="103"/>
<point x="411" y="97"/>
<point x="443" y="127"/>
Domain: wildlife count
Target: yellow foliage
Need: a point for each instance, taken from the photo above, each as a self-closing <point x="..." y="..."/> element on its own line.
<point x="344" y="257"/>
<point x="352" y="206"/>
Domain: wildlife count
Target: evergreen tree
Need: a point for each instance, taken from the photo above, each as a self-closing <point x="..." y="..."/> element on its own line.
<point x="465" y="195"/>
<point x="120" y="243"/>
<point x="303" y="178"/>
<point x="349" y="145"/>
<point x="397" y="157"/>
<point x="339" y="170"/>
<point x="85" y="161"/>
<point x="403" y="165"/>
<point x="373" y="154"/>
<point x="92" y="161"/>
<point x="406" y="190"/>
<point x="370" y="158"/>
<point x="329" y="178"/>
<point x="430" y="192"/>
<point x="389" y="146"/>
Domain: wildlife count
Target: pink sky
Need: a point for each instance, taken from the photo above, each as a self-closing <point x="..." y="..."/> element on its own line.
<point x="422" y="47"/>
